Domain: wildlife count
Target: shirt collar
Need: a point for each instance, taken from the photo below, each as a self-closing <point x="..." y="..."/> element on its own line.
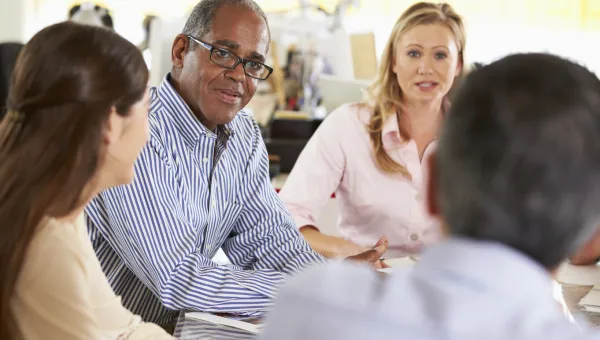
<point x="390" y="132"/>
<point x="183" y="117"/>
<point x="488" y="266"/>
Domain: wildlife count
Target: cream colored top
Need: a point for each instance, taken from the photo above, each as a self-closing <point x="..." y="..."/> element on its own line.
<point x="62" y="292"/>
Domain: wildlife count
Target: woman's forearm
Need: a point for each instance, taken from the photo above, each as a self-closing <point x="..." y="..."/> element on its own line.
<point x="329" y="246"/>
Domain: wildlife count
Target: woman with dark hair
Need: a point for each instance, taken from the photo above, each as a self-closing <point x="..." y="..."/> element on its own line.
<point x="76" y="121"/>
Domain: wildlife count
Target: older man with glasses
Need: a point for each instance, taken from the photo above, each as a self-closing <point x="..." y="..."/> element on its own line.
<point x="222" y="57"/>
<point x="202" y="183"/>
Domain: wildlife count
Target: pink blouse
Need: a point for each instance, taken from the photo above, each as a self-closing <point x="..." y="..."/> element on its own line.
<point x="339" y="158"/>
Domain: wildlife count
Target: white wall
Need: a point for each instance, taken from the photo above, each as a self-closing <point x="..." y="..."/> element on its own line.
<point x="487" y="42"/>
<point x="16" y="20"/>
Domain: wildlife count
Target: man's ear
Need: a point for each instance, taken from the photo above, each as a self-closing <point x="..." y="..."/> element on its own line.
<point x="432" y="188"/>
<point x="180" y="48"/>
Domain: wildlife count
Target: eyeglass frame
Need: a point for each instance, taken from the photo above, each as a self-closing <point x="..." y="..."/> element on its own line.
<point x="239" y="60"/>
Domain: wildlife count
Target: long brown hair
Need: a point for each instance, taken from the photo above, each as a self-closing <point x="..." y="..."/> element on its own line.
<point x="385" y="95"/>
<point x="65" y="82"/>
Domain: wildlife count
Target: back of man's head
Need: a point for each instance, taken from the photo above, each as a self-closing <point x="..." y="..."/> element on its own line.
<point x="200" y="20"/>
<point x="519" y="157"/>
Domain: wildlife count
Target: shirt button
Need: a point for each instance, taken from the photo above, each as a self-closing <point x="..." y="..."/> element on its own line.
<point x="205" y="159"/>
<point x="418" y="197"/>
<point x="208" y="247"/>
<point x="214" y="204"/>
<point x="414" y="236"/>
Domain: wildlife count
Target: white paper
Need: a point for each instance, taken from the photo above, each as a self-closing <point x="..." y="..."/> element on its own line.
<point x="400" y="262"/>
<point x="592" y="309"/>
<point x="252" y="328"/>
<point x="386" y="270"/>
<point x="578" y="275"/>
<point x="591" y="302"/>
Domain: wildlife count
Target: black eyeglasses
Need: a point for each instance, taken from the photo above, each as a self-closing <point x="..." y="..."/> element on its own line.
<point x="224" y="58"/>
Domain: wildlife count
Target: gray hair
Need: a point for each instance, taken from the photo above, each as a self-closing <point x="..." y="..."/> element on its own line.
<point x="519" y="157"/>
<point x="200" y="21"/>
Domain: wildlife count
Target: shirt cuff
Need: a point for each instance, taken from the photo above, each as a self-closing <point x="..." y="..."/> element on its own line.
<point x="303" y="222"/>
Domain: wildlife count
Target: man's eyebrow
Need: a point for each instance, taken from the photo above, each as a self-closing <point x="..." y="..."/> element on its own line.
<point x="228" y="43"/>
<point x="232" y="45"/>
<point x="257" y="56"/>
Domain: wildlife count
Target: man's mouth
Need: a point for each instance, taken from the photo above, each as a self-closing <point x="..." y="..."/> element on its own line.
<point x="230" y="96"/>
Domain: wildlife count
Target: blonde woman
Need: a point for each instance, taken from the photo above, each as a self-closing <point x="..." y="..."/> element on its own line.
<point x="371" y="154"/>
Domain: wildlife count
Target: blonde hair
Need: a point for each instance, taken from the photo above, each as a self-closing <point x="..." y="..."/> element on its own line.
<point x="385" y="95"/>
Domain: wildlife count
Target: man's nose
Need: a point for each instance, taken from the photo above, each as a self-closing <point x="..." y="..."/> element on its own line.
<point x="236" y="74"/>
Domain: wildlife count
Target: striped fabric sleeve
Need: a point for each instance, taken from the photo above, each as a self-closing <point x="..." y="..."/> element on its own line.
<point x="145" y="224"/>
<point x="264" y="236"/>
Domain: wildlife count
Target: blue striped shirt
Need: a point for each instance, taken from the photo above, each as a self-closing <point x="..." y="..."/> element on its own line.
<point x="196" y="191"/>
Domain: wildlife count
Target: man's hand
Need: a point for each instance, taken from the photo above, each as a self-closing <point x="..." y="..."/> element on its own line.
<point x="373" y="255"/>
<point x="589" y="253"/>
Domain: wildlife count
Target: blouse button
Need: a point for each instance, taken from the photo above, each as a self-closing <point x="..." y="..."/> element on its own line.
<point x="414" y="236"/>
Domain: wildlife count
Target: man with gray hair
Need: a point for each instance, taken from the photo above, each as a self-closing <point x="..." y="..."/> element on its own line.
<point x="515" y="183"/>
<point x="202" y="183"/>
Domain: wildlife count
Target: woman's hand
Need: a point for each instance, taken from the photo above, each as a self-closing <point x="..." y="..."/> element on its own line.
<point x="589" y="253"/>
<point x="373" y="255"/>
<point x="337" y="247"/>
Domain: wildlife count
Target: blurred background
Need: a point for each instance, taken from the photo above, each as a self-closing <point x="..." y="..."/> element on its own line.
<point x="495" y="27"/>
<point x="324" y="52"/>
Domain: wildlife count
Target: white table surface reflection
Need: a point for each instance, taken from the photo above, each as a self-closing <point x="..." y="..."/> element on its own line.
<point x="568" y="295"/>
<point x="193" y="329"/>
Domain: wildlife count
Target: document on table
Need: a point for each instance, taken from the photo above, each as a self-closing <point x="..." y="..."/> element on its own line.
<point x="235" y="322"/>
<point x="591" y="302"/>
<point x="578" y="275"/>
<point x="400" y="262"/>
